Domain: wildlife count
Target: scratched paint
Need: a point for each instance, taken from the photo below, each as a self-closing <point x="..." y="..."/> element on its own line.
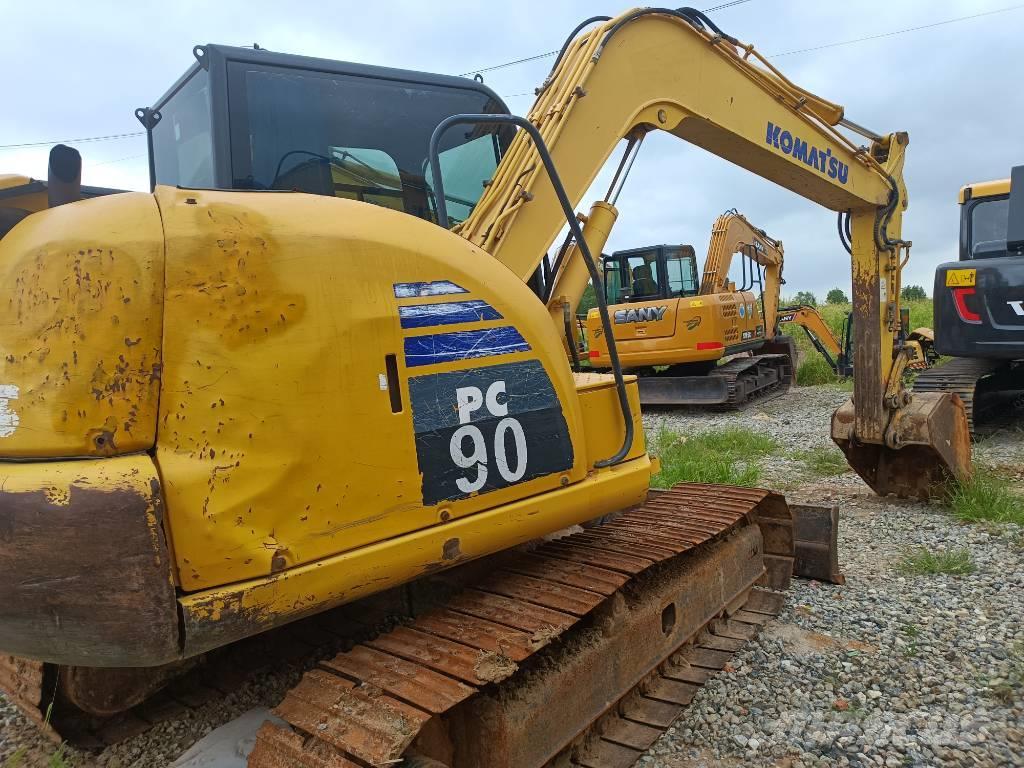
<point x="8" y="417"/>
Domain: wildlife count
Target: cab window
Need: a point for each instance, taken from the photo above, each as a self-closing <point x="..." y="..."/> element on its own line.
<point x="989" y="218"/>
<point x="681" y="273"/>
<point x="182" y="142"/>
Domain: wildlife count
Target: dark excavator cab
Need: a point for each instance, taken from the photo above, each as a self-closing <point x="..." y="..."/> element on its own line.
<point x="652" y="272"/>
<point x="251" y="119"/>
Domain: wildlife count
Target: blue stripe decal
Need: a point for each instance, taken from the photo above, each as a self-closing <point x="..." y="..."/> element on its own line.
<point x="425" y="315"/>
<point x="462" y="345"/>
<point x="436" y="288"/>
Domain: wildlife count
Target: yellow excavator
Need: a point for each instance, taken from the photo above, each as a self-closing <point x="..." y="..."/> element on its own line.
<point x="672" y="332"/>
<point x="243" y="399"/>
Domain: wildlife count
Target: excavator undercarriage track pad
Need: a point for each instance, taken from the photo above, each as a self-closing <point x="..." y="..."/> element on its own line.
<point x="581" y="651"/>
<point x="731" y="386"/>
<point x="980" y="384"/>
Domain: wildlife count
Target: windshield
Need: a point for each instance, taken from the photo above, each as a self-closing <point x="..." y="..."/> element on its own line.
<point x="357" y="137"/>
<point x="988" y="220"/>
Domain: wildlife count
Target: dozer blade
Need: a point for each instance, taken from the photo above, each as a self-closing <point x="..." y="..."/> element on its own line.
<point x="930" y="447"/>
<point x="580" y="652"/>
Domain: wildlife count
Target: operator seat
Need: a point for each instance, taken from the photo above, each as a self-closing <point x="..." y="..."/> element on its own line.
<point x="643" y="281"/>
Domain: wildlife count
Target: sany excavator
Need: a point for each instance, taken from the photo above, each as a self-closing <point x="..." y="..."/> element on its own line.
<point x="672" y="332"/>
<point x="227" y="407"/>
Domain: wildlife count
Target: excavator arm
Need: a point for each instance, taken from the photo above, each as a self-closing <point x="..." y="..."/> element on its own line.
<point x="820" y="334"/>
<point x="733" y="233"/>
<point x="675" y="71"/>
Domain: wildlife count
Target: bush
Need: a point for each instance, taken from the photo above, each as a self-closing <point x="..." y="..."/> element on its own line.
<point x="806" y="297"/>
<point x="836" y="296"/>
<point x="913" y="293"/>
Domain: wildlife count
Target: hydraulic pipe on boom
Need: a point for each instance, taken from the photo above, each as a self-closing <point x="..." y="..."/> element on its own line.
<point x="634" y="74"/>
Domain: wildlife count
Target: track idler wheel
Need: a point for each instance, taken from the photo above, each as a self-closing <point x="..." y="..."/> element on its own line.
<point x="927" y="445"/>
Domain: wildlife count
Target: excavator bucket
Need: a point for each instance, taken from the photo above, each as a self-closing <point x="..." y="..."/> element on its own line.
<point x="929" y="445"/>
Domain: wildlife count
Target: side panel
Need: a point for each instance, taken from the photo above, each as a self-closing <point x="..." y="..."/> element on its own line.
<point x="986" y="319"/>
<point x="86" y="572"/>
<point x="338" y="374"/>
<point x="80" y="311"/>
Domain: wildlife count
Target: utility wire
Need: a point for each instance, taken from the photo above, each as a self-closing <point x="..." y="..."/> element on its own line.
<point x="863" y="39"/>
<point x="73" y="141"/>
<point x="546" y="54"/>
<point x="896" y="32"/>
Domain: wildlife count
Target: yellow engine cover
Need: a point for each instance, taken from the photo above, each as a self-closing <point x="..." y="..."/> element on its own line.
<point x="290" y="321"/>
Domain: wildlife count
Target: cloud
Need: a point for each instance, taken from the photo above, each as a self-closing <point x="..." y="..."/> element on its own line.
<point x="954" y="88"/>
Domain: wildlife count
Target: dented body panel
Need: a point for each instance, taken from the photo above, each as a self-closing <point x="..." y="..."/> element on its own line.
<point x="80" y="324"/>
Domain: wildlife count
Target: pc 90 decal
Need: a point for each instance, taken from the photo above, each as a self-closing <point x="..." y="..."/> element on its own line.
<point x="487" y="428"/>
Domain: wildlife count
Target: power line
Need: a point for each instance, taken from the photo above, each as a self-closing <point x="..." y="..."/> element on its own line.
<point x="866" y="38"/>
<point x="81" y="140"/>
<point x="896" y="32"/>
<point x="546" y="54"/>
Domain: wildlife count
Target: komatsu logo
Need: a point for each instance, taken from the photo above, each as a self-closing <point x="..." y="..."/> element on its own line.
<point x="642" y="315"/>
<point x="821" y="160"/>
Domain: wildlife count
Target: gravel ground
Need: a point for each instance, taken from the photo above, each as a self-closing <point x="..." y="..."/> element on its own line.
<point x="888" y="670"/>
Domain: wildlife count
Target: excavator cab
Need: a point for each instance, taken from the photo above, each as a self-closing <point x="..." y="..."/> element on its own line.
<point x="654" y="272"/>
<point x="250" y="119"/>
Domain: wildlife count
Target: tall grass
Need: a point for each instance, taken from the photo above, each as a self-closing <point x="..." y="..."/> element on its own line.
<point x="987" y="497"/>
<point x="726" y="456"/>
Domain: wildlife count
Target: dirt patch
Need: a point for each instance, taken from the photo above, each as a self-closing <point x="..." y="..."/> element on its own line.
<point x="494" y="667"/>
<point x="801" y="642"/>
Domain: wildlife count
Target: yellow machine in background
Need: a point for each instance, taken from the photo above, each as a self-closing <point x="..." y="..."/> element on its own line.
<point x="672" y="332"/>
<point x="223" y="410"/>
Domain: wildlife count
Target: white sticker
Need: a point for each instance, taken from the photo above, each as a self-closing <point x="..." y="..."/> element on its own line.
<point x="8" y="419"/>
<point x="382" y="382"/>
<point x="883" y="291"/>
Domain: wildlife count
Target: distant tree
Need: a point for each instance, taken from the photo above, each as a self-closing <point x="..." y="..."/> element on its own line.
<point x="587" y="301"/>
<point x="913" y="293"/>
<point x="806" y="297"/>
<point x="836" y="296"/>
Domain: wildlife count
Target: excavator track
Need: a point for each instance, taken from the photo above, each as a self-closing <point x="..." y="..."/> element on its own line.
<point x="580" y="652"/>
<point x="732" y="386"/>
<point x="977" y="381"/>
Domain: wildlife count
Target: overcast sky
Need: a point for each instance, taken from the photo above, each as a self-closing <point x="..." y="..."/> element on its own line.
<point x="79" y="69"/>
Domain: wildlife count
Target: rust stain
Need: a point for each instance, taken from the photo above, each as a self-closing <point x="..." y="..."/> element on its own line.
<point x="451" y="550"/>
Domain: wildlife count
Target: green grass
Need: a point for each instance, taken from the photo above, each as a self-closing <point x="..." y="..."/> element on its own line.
<point x="827" y="462"/>
<point x="727" y="456"/>
<point x="924" y="562"/>
<point x="987" y="497"/>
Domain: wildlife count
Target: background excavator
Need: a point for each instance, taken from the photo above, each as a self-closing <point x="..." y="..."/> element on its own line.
<point x="979" y="304"/>
<point x="225" y="408"/>
<point x="672" y="331"/>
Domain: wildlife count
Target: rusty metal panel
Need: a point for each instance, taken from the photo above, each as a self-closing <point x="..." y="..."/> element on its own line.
<point x="541" y="622"/>
<point x="428" y="690"/>
<point x="441" y="655"/>
<point x="816" y="535"/>
<point x="478" y="633"/>
<point x="73" y="531"/>
<point x="559" y="597"/>
<point x="564" y="572"/>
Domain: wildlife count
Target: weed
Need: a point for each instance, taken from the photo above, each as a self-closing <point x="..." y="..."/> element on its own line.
<point x="828" y="462"/>
<point x="924" y="562"/>
<point x="727" y="456"/>
<point x="17" y="759"/>
<point x="913" y="632"/>
<point x="987" y="496"/>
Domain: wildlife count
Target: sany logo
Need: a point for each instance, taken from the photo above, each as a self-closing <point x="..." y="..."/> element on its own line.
<point x="820" y="160"/>
<point x="642" y="315"/>
<point x="1017" y="306"/>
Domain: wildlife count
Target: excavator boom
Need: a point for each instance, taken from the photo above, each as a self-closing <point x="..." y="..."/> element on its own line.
<point x="632" y="74"/>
